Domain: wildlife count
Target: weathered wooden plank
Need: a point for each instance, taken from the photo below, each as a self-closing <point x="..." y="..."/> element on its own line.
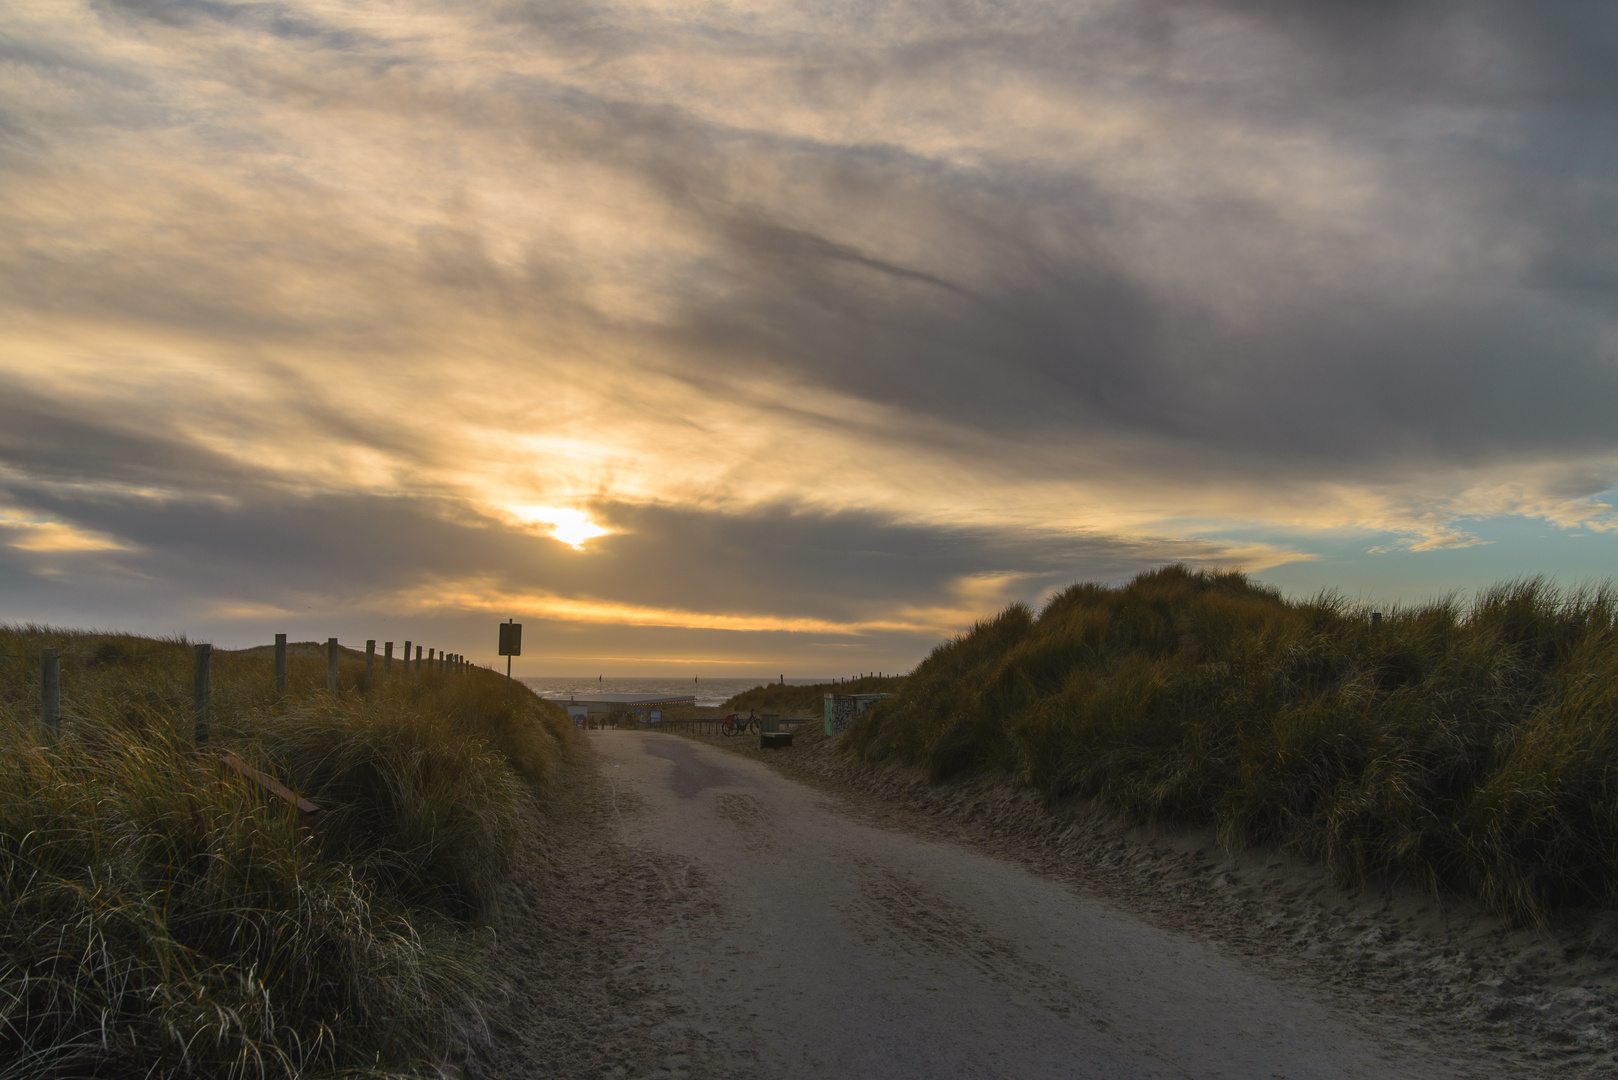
<point x="202" y="691"/>
<point x="50" y="689"/>
<point x="280" y="666"/>
<point x="269" y="784"/>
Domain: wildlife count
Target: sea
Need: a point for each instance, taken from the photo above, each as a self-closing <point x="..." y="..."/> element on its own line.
<point x="707" y="691"/>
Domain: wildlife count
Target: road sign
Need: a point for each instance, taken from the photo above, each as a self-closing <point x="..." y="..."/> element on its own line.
<point x="510" y="645"/>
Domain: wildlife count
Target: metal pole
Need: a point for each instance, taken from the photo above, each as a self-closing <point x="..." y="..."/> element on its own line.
<point x="50" y="689"/>
<point x="280" y="667"/>
<point x="202" y="692"/>
<point x="331" y="665"/>
<point x="370" y="662"/>
<point x="508" y="678"/>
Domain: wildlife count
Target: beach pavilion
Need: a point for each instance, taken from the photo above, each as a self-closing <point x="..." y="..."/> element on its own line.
<point x="586" y="707"/>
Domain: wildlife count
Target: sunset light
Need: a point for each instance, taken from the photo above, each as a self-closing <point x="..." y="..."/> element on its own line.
<point x="571" y="527"/>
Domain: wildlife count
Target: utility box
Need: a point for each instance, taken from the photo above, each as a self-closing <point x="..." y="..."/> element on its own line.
<point x="841" y="709"/>
<point x="511" y="639"/>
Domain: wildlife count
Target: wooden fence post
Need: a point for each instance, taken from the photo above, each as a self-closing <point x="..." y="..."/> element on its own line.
<point x="50" y="689"/>
<point x="280" y="667"/>
<point x="370" y="662"/>
<point x="407" y="656"/>
<point x="387" y="660"/>
<point x="202" y="692"/>
<point x="418" y="657"/>
<point x="430" y="660"/>
<point x="331" y="665"/>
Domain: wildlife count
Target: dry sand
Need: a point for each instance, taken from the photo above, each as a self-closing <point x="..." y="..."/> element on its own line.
<point x="571" y="949"/>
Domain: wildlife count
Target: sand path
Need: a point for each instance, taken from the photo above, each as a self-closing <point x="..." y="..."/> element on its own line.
<point x="797" y="939"/>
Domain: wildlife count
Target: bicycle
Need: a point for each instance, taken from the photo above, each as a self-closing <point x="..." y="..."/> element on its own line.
<point x="735" y="725"/>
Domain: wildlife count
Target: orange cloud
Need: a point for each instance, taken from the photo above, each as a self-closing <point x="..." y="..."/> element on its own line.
<point x="44" y="535"/>
<point x="485" y="594"/>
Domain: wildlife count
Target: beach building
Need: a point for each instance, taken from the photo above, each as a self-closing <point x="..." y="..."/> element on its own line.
<point x="583" y="707"/>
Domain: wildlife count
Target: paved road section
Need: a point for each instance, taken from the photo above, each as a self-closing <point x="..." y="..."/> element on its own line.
<point x="830" y="947"/>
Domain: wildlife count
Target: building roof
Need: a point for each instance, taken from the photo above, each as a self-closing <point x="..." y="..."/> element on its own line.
<point x="623" y="699"/>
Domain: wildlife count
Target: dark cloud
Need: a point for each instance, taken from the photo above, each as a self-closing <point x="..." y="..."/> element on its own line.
<point x="1558" y="54"/>
<point x="52" y="442"/>
<point x="999" y="324"/>
<point x="282" y="21"/>
<point x="262" y="545"/>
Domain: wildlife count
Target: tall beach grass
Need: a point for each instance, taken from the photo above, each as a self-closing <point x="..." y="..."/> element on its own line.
<point x="1470" y="747"/>
<point x="159" y="917"/>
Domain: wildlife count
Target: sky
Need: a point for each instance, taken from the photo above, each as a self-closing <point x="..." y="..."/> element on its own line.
<point x="792" y="338"/>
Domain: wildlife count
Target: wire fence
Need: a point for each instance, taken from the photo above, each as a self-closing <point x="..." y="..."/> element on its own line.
<point x="50" y="692"/>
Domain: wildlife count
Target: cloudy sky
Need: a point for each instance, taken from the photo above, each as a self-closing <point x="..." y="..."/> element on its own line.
<point x="763" y="337"/>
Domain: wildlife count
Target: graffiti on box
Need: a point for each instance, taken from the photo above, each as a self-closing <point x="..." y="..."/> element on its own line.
<point x="841" y="709"/>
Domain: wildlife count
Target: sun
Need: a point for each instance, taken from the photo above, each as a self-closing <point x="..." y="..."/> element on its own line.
<point x="571" y="527"/>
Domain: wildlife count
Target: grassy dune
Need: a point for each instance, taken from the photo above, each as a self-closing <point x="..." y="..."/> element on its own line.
<point x="157" y="917"/>
<point x="1474" y="748"/>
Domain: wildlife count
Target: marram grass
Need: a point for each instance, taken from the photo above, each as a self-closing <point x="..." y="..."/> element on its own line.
<point x="1472" y="748"/>
<point x="158" y="918"/>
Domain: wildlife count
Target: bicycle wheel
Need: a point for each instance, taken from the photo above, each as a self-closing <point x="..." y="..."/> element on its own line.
<point x="730" y="726"/>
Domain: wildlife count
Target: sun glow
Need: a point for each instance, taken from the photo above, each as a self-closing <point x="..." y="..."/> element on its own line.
<point x="571" y="527"/>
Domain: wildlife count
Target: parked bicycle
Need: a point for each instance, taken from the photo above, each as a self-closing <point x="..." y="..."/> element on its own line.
<point x="736" y="725"/>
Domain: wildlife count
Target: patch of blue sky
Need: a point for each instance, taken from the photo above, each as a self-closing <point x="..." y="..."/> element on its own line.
<point x="1383" y="569"/>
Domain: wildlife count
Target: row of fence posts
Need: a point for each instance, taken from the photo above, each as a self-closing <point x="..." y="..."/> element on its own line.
<point x="50" y="674"/>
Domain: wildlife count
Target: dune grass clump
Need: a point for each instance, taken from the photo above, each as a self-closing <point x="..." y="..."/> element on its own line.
<point x="1472" y="748"/>
<point x="159" y="917"/>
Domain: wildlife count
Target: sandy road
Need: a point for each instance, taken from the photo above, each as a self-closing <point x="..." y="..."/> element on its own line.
<point x="829" y="947"/>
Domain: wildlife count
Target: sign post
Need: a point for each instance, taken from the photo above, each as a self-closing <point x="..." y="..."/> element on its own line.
<point x="510" y="645"/>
